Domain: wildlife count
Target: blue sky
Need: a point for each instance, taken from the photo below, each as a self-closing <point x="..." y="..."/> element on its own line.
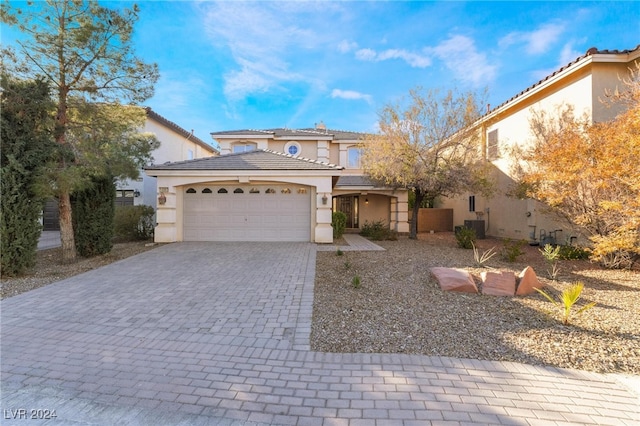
<point x="239" y="65"/>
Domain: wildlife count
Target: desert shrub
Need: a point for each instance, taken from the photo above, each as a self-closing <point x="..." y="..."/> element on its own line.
<point x="512" y="249"/>
<point x="134" y="223"/>
<point x="378" y="231"/>
<point x="92" y="212"/>
<point x="620" y="249"/>
<point x="573" y="253"/>
<point x="339" y="223"/>
<point x="465" y="237"/>
<point x="552" y="257"/>
<point x="356" y="281"/>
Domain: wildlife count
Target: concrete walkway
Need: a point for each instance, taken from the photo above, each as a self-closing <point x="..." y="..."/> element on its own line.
<point x="218" y="334"/>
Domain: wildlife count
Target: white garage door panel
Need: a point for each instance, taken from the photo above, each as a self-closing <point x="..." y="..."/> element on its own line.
<point x="281" y="216"/>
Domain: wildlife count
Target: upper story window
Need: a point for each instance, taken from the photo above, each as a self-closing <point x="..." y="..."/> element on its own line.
<point x="492" y="145"/>
<point x="292" y="148"/>
<point x="353" y="157"/>
<point x="244" y="147"/>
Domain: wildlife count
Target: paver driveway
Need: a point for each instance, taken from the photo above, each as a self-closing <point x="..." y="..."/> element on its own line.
<point x="204" y="333"/>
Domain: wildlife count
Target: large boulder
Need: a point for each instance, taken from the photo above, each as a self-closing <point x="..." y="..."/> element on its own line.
<point x="501" y="283"/>
<point x="528" y="282"/>
<point x="451" y="279"/>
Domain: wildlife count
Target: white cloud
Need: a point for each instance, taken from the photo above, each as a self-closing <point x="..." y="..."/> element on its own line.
<point x="261" y="37"/>
<point x="346" y="46"/>
<point x="567" y="54"/>
<point x="537" y="41"/>
<point x="350" y="95"/>
<point x="461" y="56"/>
<point x="412" y="59"/>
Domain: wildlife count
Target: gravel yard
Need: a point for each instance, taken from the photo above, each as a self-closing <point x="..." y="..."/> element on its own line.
<point x="400" y="308"/>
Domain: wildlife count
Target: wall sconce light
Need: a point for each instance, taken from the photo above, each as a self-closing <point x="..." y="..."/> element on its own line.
<point x="325" y="199"/>
<point x="136" y="193"/>
<point x="366" y="201"/>
<point x="162" y="199"/>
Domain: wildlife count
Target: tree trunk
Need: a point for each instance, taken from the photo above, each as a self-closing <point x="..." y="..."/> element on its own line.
<point x="413" y="230"/>
<point x="66" y="228"/>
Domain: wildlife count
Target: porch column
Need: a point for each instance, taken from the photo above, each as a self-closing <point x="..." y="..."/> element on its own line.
<point x="166" y="226"/>
<point x="400" y="213"/>
<point x="323" y="232"/>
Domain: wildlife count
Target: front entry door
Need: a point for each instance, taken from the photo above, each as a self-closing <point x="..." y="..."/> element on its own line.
<point x="348" y="204"/>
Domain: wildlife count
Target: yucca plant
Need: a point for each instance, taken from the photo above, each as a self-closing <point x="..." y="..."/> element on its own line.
<point x="483" y="258"/>
<point x="551" y="256"/>
<point x="568" y="298"/>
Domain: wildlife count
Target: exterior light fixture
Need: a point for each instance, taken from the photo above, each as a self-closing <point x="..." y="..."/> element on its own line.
<point x="366" y="201"/>
<point x="162" y="199"/>
<point x="136" y="193"/>
<point x="324" y="199"/>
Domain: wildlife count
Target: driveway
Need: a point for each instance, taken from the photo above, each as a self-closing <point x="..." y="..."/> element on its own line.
<point x="218" y="333"/>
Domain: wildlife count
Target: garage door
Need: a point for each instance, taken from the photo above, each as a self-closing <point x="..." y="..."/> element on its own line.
<point x="247" y="213"/>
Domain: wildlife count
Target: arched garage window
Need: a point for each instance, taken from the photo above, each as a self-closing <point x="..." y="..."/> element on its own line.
<point x="238" y="191"/>
<point x="270" y="191"/>
<point x="206" y="191"/>
<point x="191" y="191"/>
<point x="222" y="191"/>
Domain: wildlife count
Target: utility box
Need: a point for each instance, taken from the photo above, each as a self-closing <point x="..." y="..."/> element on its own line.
<point x="476" y="225"/>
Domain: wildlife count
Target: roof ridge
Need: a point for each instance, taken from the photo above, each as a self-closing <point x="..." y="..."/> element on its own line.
<point x="308" y="160"/>
<point x="589" y="52"/>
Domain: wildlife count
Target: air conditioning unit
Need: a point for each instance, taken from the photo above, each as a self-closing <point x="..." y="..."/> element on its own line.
<point x="476" y="225"/>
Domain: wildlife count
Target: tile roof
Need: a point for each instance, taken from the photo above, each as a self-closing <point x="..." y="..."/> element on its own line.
<point x="281" y="132"/>
<point x="590" y="52"/>
<point x="355" y="181"/>
<point x="250" y="160"/>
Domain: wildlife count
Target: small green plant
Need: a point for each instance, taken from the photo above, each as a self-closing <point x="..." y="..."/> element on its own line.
<point x="355" y="282"/>
<point x="568" y="298"/>
<point x="483" y="258"/>
<point x="339" y="252"/>
<point x="465" y="237"/>
<point x="552" y="257"/>
<point x="339" y="223"/>
<point x="378" y="231"/>
<point x="347" y="264"/>
<point x="512" y="249"/>
<point x="573" y="253"/>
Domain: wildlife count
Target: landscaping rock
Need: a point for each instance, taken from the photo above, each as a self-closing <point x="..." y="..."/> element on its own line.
<point x="528" y="282"/>
<point x="498" y="283"/>
<point x="451" y="279"/>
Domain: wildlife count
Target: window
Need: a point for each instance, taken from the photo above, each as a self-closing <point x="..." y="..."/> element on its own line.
<point x="206" y="191"/>
<point x="302" y="190"/>
<point x="353" y="157"/>
<point x="191" y="191"/>
<point x="254" y="191"/>
<point x="286" y="191"/>
<point x="270" y="191"/>
<point x="492" y="145"/>
<point x="292" y="148"/>
<point x="238" y="191"/>
<point x="244" y="147"/>
<point x="472" y="203"/>
<point x="222" y="191"/>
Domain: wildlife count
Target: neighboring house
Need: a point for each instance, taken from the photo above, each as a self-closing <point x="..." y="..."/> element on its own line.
<point x="176" y="144"/>
<point x="273" y="185"/>
<point x="583" y="84"/>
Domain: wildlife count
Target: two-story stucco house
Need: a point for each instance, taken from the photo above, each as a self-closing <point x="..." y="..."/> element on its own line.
<point x="273" y="185"/>
<point x="582" y="84"/>
<point x="176" y="144"/>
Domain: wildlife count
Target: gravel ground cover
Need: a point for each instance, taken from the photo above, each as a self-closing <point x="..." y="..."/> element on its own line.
<point x="399" y="308"/>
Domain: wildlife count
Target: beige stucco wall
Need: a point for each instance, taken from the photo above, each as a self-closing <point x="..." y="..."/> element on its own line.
<point x="170" y="215"/>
